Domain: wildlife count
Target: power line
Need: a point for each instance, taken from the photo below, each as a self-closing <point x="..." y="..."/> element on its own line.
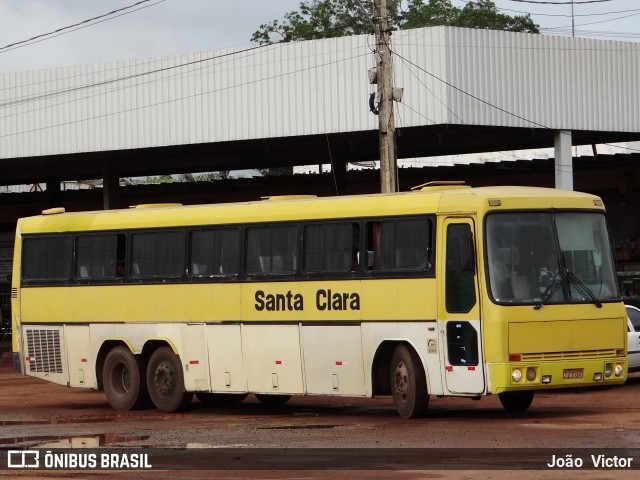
<point x="121" y="79"/>
<point x="519" y="117"/>
<point x="567" y="29"/>
<point x="48" y="95"/>
<point x="75" y="26"/>
<point x="174" y="100"/>
<point x="541" y="2"/>
<point x="600" y="21"/>
<point x="582" y="137"/>
<point x="599" y="14"/>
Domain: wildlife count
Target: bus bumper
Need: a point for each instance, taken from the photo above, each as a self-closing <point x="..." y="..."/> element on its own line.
<point x="551" y="374"/>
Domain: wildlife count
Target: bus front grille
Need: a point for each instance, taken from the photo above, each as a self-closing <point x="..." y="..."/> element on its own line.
<point x="43" y="350"/>
<point x="532" y="357"/>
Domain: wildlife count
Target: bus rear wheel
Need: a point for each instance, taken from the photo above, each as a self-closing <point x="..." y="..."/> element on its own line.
<point x="408" y="383"/>
<point x="516" y="401"/>
<point x="165" y="380"/>
<point x="123" y="378"/>
<point x="273" y="400"/>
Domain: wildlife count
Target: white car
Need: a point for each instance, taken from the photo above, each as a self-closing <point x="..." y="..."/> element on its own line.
<point x="633" y="347"/>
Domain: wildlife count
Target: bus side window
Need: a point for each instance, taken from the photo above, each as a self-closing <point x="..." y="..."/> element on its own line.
<point x="215" y="252"/>
<point x="100" y="256"/>
<point x="399" y="244"/>
<point x="272" y="250"/>
<point x="158" y="254"/>
<point x="331" y="248"/>
<point x="374" y="233"/>
<point x="47" y="258"/>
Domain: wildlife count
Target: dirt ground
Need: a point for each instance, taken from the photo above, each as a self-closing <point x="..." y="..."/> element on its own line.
<point x="39" y="414"/>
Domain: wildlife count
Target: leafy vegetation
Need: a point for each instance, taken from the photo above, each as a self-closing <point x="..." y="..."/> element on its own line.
<point x="336" y="18"/>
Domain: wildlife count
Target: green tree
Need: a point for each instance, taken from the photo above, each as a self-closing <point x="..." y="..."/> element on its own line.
<point x="336" y="18"/>
<point x="484" y="14"/>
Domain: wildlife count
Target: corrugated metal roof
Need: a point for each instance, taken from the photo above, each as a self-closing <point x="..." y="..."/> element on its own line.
<point x="450" y="76"/>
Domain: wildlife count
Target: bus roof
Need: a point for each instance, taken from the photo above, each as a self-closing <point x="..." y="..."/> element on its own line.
<point x="431" y="201"/>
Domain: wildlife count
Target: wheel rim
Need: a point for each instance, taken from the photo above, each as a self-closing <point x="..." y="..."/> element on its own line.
<point x="401" y="381"/>
<point x="164" y="380"/>
<point x="121" y="380"/>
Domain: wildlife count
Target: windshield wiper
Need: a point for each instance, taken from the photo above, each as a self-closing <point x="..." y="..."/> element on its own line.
<point x="548" y="293"/>
<point x="558" y="282"/>
<point x="579" y="284"/>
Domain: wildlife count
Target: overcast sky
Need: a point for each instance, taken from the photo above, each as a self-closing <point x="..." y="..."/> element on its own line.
<point x="168" y="27"/>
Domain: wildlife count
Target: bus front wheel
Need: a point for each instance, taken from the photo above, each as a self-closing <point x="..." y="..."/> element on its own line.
<point x="408" y="383"/>
<point x="165" y="380"/>
<point x="124" y="381"/>
<point x="516" y="401"/>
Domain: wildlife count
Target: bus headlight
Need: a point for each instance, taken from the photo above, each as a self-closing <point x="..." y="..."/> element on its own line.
<point x="618" y="370"/>
<point x="531" y="374"/>
<point x="516" y="374"/>
<point x="608" y="370"/>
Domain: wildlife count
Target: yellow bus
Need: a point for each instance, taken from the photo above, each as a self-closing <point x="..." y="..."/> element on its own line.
<point x="445" y="290"/>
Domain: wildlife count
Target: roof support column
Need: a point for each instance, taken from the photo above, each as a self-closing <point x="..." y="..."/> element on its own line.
<point x="53" y="193"/>
<point x="563" y="159"/>
<point x="339" y="174"/>
<point x="110" y="186"/>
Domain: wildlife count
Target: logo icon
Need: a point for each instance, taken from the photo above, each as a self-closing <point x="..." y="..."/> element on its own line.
<point x="23" y="459"/>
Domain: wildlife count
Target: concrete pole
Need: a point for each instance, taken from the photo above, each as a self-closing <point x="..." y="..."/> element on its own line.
<point x="563" y="160"/>
<point x="388" y="164"/>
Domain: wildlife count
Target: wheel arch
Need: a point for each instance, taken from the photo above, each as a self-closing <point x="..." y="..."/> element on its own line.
<point x="105" y="348"/>
<point x="153" y="344"/>
<point x="149" y="347"/>
<point x="380" y="381"/>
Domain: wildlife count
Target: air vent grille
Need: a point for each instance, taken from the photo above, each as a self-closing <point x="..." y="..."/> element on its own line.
<point x="43" y="351"/>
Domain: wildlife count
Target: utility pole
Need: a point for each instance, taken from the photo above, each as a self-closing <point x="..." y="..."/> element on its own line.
<point x="388" y="164"/>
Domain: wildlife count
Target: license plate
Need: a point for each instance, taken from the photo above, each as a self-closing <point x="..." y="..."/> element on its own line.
<point x="572" y="373"/>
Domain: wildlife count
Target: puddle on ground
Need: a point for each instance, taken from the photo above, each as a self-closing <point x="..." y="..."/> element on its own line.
<point x="54" y="441"/>
<point x="54" y="421"/>
<point x="4" y="423"/>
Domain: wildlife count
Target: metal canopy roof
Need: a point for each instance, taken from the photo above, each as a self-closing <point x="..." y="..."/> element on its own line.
<point x="307" y="103"/>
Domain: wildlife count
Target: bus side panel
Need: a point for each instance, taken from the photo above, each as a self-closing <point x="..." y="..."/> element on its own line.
<point x="373" y="334"/>
<point x="51" y="305"/>
<point x="272" y="358"/>
<point x="193" y="354"/>
<point x="226" y="368"/>
<point x="424" y="338"/>
<point x="82" y="368"/>
<point x="333" y="360"/>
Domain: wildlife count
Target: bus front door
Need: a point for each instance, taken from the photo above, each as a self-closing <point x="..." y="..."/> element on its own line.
<point x="460" y="326"/>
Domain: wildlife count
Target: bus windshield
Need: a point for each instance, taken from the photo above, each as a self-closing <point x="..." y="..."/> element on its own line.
<point x="549" y="258"/>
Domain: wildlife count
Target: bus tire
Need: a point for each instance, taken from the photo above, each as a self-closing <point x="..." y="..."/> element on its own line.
<point x="516" y="401"/>
<point x="165" y="380"/>
<point x="408" y="383"/>
<point x="220" y="399"/>
<point x="124" y="382"/>
<point x="273" y="400"/>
